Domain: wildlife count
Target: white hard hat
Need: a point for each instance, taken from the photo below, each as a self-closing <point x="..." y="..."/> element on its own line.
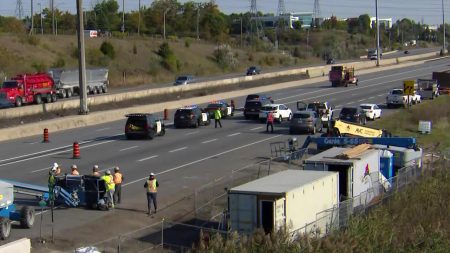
<point x="74" y="166"/>
<point x="96" y="166"/>
<point x="152" y="174"/>
<point x="55" y="166"/>
<point x="107" y="172"/>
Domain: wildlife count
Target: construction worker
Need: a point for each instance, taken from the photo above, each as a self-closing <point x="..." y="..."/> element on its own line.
<point x="109" y="188"/>
<point x="269" y="120"/>
<point x="74" y="170"/>
<point x="51" y="184"/>
<point x="95" y="171"/>
<point x="217" y="117"/>
<point x="118" y="179"/>
<point x="57" y="169"/>
<point x="151" y="185"/>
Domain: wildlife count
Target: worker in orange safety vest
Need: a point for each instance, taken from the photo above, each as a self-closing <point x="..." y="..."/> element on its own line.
<point x="152" y="188"/>
<point x="118" y="179"/>
<point x="270" y="120"/>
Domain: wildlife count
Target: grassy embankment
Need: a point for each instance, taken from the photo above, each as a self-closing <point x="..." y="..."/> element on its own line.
<point x="415" y="220"/>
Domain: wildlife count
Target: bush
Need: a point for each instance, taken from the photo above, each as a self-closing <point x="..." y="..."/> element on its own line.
<point x="169" y="60"/>
<point x="59" y="63"/>
<point x="108" y="49"/>
<point x="134" y="49"/>
<point x="33" y="40"/>
<point x="224" y="57"/>
<point x="95" y="57"/>
<point x="39" y="66"/>
<point x="187" y="43"/>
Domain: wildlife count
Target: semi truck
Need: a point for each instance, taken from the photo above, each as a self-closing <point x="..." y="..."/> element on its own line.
<point x="67" y="81"/>
<point x="443" y="81"/>
<point x="29" y="88"/>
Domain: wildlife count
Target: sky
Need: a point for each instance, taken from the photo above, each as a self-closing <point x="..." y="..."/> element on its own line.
<point x="430" y="11"/>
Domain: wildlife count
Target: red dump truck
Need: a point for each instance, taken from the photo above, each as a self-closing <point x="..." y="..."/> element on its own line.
<point x="29" y="88"/>
<point x="342" y="76"/>
<point x="443" y="81"/>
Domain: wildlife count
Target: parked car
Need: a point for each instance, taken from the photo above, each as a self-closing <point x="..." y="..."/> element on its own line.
<point x="253" y="107"/>
<point x="183" y="80"/>
<point x="330" y="61"/>
<point x="280" y="112"/>
<point x="353" y="114"/>
<point x="372" y="111"/>
<point x="253" y="70"/>
<point x="225" y="109"/>
<point x="305" y="121"/>
<point x="191" y="116"/>
<point x="143" y="125"/>
<point x="259" y="97"/>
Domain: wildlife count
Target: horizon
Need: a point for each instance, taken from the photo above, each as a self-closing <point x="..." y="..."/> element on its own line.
<point x="420" y="11"/>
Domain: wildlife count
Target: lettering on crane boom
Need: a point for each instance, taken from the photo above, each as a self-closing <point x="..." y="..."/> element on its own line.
<point x="357" y="130"/>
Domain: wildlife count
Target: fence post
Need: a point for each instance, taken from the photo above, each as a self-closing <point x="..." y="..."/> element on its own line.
<point x="118" y="244"/>
<point x="162" y="233"/>
<point x="195" y="202"/>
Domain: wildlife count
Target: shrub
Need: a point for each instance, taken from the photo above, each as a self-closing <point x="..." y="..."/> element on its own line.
<point x="59" y="63"/>
<point x="187" y="43"/>
<point x="134" y="49"/>
<point x="39" y="66"/>
<point x="169" y="60"/>
<point x="33" y="40"/>
<point x="224" y="57"/>
<point x="108" y="49"/>
<point x="96" y="58"/>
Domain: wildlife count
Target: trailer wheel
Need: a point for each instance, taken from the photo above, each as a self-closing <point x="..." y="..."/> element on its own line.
<point x="38" y="99"/>
<point x="104" y="89"/>
<point x="68" y="93"/>
<point x="27" y="217"/>
<point x="54" y="98"/>
<point x="18" y="102"/>
<point x="48" y="98"/>
<point x="5" y="228"/>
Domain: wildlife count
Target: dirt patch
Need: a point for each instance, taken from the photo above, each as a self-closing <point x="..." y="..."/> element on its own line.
<point x="5" y="123"/>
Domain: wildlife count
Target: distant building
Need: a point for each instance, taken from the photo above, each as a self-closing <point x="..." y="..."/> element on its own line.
<point x="433" y="27"/>
<point x="387" y="22"/>
<point x="306" y="18"/>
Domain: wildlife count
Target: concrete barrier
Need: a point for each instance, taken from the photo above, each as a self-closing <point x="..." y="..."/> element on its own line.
<point x="22" y="245"/>
<point x="130" y="95"/>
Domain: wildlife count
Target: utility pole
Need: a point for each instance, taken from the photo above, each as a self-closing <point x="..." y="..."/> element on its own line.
<point x="164" y="23"/>
<point x="241" y="34"/>
<point x="198" y="21"/>
<point x="123" y="16"/>
<point x="53" y="16"/>
<point x="32" y="19"/>
<point x="81" y="59"/>
<point x="40" y="17"/>
<point x="378" y="33"/>
<point x="139" y="21"/>
<point x="443" y="25"/>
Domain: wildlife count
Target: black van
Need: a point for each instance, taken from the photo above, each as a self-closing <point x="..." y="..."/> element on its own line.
<point x="143" y="125"/>
<point x="252" y="107"/>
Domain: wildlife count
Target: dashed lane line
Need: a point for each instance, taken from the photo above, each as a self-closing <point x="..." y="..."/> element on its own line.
<point x="256" y="128"/>
<point x="208" y="141"/>
<point x="195" y="132"/>
<point x="178" y="149"/>
<point x="231" y="135"/>
<point x="147" y="158"/>
<point x="124" y="149"/>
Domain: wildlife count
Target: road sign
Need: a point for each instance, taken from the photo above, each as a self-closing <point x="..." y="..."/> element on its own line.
<point x="408" y="87"/>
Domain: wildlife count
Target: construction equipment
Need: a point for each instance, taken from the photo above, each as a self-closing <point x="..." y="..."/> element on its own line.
<point x="8" y="211"/>
<point x="342" y="76"/>
<point x="427" y="88"/>
<point x="344" y="128"/>
<point x="326" y="142"/>
<point x="443" y="81"/>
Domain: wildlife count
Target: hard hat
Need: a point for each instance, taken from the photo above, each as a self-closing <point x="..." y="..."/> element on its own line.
<point x="96" y="166"/>
<point x="107" y="172"/>
<point x="74" y="166"/>
<point x="152" y="174"/>
<point x="55" y="165"/>
<point x="116" y="169"/>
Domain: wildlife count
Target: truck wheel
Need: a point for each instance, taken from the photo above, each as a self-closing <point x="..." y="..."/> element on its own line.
<point x="27" y="217"/>
<point x="104" y="89"/>
<point x="18" y="102"/>
<point x="151" y="134"/>
<point x="5" y="228"/>
<point x="48" y="98"/>
<point x="54" y="98"/>
<point x="38" y="99"/>
<point x="163" y="132"/>
<point x="69" y="93"/>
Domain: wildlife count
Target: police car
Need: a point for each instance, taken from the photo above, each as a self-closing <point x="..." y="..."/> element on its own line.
<point x="144" y="125"/>
<point x="226" y="110"/>
<point x="191" y="116"/>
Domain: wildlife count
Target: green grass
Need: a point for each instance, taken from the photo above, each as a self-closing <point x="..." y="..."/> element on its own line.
<point x="406" y="122"/>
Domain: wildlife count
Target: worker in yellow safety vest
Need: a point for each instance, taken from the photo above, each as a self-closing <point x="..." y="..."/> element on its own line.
<point x="151" y="185"/>
<point x="217" y="117"/>
<point x="118" y="179"/>
<point x="109" y="188"/>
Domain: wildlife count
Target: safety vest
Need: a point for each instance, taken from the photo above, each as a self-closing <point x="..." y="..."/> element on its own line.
<point x="217" y="114"/>
<point x="151" y="185"/>
<point x="270" y="117"/>
<point x="51" y="180"/>
<point x="118" y="178"/>
<point x="109" y="182"/>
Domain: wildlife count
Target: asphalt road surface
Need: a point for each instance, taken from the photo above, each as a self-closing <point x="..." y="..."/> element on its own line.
<point x="183" y="159"/>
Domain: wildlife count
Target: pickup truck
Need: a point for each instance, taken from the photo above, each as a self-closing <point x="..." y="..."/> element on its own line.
<point x="396" y="98"/>
<point x="323" y="109"/>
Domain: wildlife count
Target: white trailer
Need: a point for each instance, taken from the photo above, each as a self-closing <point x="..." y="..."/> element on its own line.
<point x="67" y="81"/>
<point x="356" y="175"/>
<point x="290" y="199"/>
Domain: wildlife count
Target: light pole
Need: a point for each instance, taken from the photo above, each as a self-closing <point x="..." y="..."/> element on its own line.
<point x="198" y="21"/>
<point x="378" y="33"/>
<point x="164" y="23"/>
<point x="40" y="16"/>
<point x="81" y="59"/>
<point x="443" y="24"/>
<point x="32" y="18"/>
<point x="139" y="19"/>
<point x="123" y="16"/>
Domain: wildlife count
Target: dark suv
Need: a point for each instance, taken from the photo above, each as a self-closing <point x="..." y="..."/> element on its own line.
<point x="191" y="116"/>
<point x="353" y="114"/>
<point x="258" y="97"/>
<point x="144" y="125"/>
<point x="253" y="70"/>
<point x="252" y="107"/>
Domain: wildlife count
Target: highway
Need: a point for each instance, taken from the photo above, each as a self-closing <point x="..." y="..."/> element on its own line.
<point x="183" y="159"/>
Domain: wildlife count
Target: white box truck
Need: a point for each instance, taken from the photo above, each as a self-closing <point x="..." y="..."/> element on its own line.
<point x="290" y="199"/>
<point x="356" y="175"/>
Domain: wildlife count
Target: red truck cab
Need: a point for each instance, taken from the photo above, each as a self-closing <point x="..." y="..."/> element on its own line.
<point x="29" y="88"/>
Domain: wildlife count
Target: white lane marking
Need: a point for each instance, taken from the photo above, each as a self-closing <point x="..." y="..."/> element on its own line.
<point x="102" y="129"/>
<point x="54" y="153"/>
<point x="178" y="149"/>
<point x="31" y="143"/>
<point x="381" y="95"/>
<point x="208" y="141"/>
<point x="192" y="133"/>
<point x="361" y="100"/>
<point x="48" y="150"/>
<point x="147" y="158"/>
<point x="204" y="159"/>
<point x="338" y="106"/>
<point x="371" y="97"/>
<point x="349" y="103"/>
<point x="231" y="135"/>
<point x="256" y="128"/>
<point x="128" y="148"/>
<point x="34" y="171"/>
